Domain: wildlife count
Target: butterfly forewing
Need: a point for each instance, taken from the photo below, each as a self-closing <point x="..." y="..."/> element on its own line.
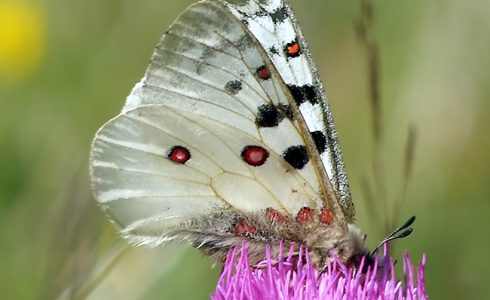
<point x="274" y="25"/>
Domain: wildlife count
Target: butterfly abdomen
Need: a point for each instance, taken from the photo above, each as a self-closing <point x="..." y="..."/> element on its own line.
<point x="310" y="228"/>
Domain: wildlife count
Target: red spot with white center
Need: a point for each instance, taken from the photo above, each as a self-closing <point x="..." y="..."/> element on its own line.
<point x="305" y="215"/>
<point x="254" y="155"/>
<point x="326" y="216"/>
<point x="179" y="154"/>
<point x="263" y="73"/>
<point x="244" y="227"/>
<point x="276" y="216"/>
<point x="293" y="49"/>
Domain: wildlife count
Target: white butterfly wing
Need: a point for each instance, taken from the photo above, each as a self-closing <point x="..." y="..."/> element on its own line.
<point x="211" y="90"/>
<point x="149" y="195"/>
<point x="274" y="25"/>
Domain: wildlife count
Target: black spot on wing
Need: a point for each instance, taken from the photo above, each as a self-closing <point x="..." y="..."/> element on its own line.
<point x="303" y="93"/>
<point x="260" y="14"/>
<point x="233" y="87"/>
<point x="279" y="15"/>
<point x="268" y="116"/>
<point x="320" y="140"/>
<point x="286" y="110"/>
<point x="296" y="93"/>
<point x="273" y="50"/>
<point x="296" y="156"/>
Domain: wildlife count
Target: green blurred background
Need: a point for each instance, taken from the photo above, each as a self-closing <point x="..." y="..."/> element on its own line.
<point x="66" y="67"/>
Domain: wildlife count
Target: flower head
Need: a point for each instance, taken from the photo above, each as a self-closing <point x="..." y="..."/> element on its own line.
<point x="294" y="277"/>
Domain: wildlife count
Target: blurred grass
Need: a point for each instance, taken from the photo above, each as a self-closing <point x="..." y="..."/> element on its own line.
<point x="81" y="59"/>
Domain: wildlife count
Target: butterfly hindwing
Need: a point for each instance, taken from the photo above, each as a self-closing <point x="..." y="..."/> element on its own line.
<point x="134" y="151"/>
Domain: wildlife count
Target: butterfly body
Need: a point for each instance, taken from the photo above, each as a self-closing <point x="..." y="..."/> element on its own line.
<point x="259" y="230"/>
<point x="228" y="137"/>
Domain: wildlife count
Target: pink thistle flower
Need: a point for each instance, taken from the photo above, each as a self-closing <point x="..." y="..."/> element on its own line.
<point x="289" y="279"/>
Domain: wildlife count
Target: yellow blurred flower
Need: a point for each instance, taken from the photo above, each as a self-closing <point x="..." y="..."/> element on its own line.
<point x="22" y="37"/>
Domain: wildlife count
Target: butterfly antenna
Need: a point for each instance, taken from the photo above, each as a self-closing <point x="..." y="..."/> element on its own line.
<point x="401" y="232"/>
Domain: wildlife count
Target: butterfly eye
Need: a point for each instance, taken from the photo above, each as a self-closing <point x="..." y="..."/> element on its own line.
<point x="179" y="154"/>
<point x="254" y="155"/>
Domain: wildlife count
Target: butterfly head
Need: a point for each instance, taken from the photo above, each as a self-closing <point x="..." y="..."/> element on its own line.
<point x="350" y="247"/>
<point x="354" y="248"/>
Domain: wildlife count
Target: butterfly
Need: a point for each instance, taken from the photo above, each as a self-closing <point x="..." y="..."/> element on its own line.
<point x="229" y="137"/>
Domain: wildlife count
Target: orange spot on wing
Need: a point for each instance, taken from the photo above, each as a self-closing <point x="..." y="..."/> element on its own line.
<point x="293" y="49"/>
